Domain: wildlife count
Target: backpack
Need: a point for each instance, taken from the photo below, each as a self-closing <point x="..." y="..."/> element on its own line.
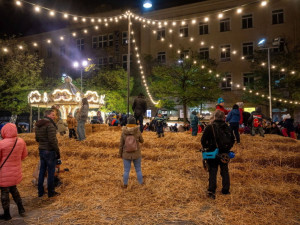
<point x="130" y="144"/>
<point x="256" y="120"/>
<point x="224" y="138"/>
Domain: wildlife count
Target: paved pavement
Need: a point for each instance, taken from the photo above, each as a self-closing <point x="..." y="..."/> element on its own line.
<point x="16" y="218"/>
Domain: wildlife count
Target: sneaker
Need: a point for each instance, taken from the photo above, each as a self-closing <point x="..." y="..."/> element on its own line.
<point x="162" y="134"/>
<point x="54" y="194"/>
<point x="124" y="186"/>
<point x="211" y="195"/>
<point x="5" y="217"/>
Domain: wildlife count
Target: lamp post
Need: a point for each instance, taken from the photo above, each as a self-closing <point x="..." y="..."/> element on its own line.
<point x="262" y="45"/>
<point x="83" y="65"/>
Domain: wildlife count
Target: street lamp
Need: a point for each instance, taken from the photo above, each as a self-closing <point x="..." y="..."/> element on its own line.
<point x="83" y="64"/>
<point x="262" y="45"/>
<point x="147" y="4"/>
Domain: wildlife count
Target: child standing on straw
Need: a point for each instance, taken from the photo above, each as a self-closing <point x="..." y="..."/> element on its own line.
<point x="130" y="150"/>
<point x="159" y="125"/>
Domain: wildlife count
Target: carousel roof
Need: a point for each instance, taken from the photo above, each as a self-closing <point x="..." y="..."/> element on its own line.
<point x="69" y="86"/>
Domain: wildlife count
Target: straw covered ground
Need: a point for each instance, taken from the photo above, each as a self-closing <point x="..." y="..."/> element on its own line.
<point x="265" y="183"/>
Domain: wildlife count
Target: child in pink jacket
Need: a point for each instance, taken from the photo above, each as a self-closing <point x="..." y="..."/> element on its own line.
<point x="11" y="171"/>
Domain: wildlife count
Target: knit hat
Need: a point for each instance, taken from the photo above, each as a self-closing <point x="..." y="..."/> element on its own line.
<point x="131" y="120"/>
<point x="287" y="116"/>
<point x="220" y="100"/>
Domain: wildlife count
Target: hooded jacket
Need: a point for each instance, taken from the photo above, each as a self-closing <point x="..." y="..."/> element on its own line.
<point x="233" y="116"/>
<point x="221" y="108"/>
<point x="139" y="106"/>
<point x="45" y="135"/>
<point x="257" y="114"/>
<point x="72" y="122"/>
<point x="11" y="172"/>
<point x="131" y="129"/>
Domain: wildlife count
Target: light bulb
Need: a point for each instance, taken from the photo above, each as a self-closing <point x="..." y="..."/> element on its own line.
<point x="206" y="19"/>
<point x="66" y="15"/>
<point x="18" y="3"/>
<point x="220" y="15"/>
<point x="239" y="10"/>
<point x="37" y="8"/>
<point x="52" y="13"/>
<point x="263" y="3"/>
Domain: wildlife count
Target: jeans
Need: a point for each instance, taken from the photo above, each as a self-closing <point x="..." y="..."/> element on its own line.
<point x="234" y="127"/>
<point x="194" y="130"/>
<point x="72" y="133"/>
<point x="138" y="170"/>
<point x="213" y="170"/>
<point x="159" y="129"/>
<point x="48" y="163"/>
<point x="81" y="130"/>
<point x="140" y="119"/>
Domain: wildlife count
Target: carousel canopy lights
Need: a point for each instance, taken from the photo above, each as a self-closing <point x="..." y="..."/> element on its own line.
<point x="147" y="4"/>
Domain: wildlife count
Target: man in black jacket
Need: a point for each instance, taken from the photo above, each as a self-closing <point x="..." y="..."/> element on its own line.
<point x="209" y="138"/>
<point x="45" y="135"/>
<point x="139" y="108"/>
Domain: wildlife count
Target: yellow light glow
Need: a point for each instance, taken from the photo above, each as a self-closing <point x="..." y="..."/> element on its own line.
<point x="83" y="20"/>
<point x="154" y="32"/>
<point x="193" y="21"/>
<point x="66" y="15"/>
<point x="75" y="18"/>
<point x="34" y="96"/>
<point x="195" y="62"/>
<point x="182" y="22"/>
<point x="239" y="10"/>
<point x="35" y="44"/>
<point x="206" y="19"/>
<point x="165" y="23"/>
<point x="178" y="51"/>
<point x="293" y="72"/>
<point x="223" y="49"/>
<point x="191" y="39"/>
<point x="5" y="49"/>
<point x="263" y="3"/>
<point x="62" y="38"/>
<point x="181" y="35"/>
<point x="202" y="43"/>
<point x="96" y="27"/>
<point x="234" y="52"/>
<point x="212" y="47"/>
<point x="52" y="13"/>
<point x="92" y="20"/>
<point x="85" y="31"/>
<point x="37" y="9"/>
<point x="170" y="31"/>
<point x="170" y="45"/>
<point x="99" y="20"/>
<point x="282" y="70"/>
<point x="174" y="23"/>
<point x="74" y="34"/>
<point x="18" y="3"/>
<point x="21" y="47"/>
<point x="220" y="15"/>
<point x="242" y="57"/>
<point x="49" y="41"/>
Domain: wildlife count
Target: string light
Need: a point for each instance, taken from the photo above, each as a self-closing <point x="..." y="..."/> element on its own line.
<point x="220" y="15"/>
<point x="239" y="10"/>
<point x="263" y="3"/>
<point x="66" y="16"/>
<point x="37" y="9"/>
<point x="18" y="3"/>
<point x="52" y="13"/>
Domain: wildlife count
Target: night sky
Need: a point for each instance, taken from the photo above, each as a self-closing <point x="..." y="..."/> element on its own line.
<point x="20" y="21"/>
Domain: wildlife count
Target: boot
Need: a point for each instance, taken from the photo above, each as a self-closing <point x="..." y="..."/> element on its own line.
<point x="6" y="215"/>
<point x="21" y="209"/>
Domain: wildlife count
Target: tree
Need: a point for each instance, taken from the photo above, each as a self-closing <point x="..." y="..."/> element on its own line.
<point x="284" y="84"/>
<point x="112" y="83"/>
<point x="19" y="74"/>
<point x="186" y="82"/>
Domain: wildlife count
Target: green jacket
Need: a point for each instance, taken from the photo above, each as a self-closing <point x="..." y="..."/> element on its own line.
<point x="131" y="129"/>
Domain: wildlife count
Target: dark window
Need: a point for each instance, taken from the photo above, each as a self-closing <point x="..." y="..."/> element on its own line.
<point x="184" y="31"/>
<point x="124" y="38"/>
<point x="62" y="50"/>
<point x="248" y="79"/>
<point x="110" y="40"/>
<point x="248" y="50"/>
<point x="49" y="52"/>
<point x="161" y="57"/>
<point x="226" y="82"/>
<point x="204" y="53"/>
<point x="225" y="25"/>
<point x="277" y="16"/>
<point x="101" y="62"/>
<point x="247" y="21"/>
<point x="279" y="44"/>
<point x="94" y="42"/>
<point x="225" y="53"/>
<point x="124" y="61"/>
<point x="102" y="41"/>
<point x="161" y="34"/>
<point x="111" y="62"/>
<point x="80" y="44"/>
<point x="203" y="28"/>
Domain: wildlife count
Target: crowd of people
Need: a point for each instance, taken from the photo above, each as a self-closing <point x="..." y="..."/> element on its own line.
<point x="217" y="137"/>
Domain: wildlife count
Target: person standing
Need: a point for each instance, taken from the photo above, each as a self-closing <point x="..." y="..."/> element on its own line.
<point x="217" y="135"/>
<point x="12" y="151"/>
<point x="139" y="108"/>
<point x="83" y="116"/>
<point x="194" y="123"/>
<point x="220" y="106"/>
<point x="233" y="118"/>
<point x="256" y="120"/>
<point x="72" y="124"/>
<point x="45" y="135"/>
<point x="130" y="150"/>
<point x="159" y="125"/>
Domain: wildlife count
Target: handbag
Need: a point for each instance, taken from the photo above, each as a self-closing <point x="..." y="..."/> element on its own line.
<point x="9" y="154"/>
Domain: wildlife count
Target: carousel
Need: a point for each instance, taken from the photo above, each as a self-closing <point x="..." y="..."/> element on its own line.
<point x="67" y="97"/>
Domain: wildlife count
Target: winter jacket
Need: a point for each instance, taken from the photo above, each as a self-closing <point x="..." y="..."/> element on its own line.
<point x="233" y="116"/>
<point x="72" y="123"/>
<point x="84" y="113"/>
<point x="139" y="106"/>
<point x="11" y="172"/>
<point x="131" y="129"/>
<point x="241" y="116"/>
<point x="159" y="121"/>
<point x="208" y="139"/>
<point x="288" y="124"/>
<point x="221" y="108"/>
<point x="194" y="120"/>
<point x="45" y="135"/>
<point x="257" y="115"/>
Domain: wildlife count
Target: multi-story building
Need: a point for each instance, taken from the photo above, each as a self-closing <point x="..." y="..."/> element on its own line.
<point x="225" y="31"/>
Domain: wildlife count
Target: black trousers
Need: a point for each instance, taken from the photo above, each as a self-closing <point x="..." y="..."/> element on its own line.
<point x="234" y="127"/>
<point x="140" y="118"/>
<point x="72" y="133"/>
<point x="213" y="165"/>
<point x="5" y="197"/>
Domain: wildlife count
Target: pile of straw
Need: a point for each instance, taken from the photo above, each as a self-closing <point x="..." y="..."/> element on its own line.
<point x="265" y="183"/>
